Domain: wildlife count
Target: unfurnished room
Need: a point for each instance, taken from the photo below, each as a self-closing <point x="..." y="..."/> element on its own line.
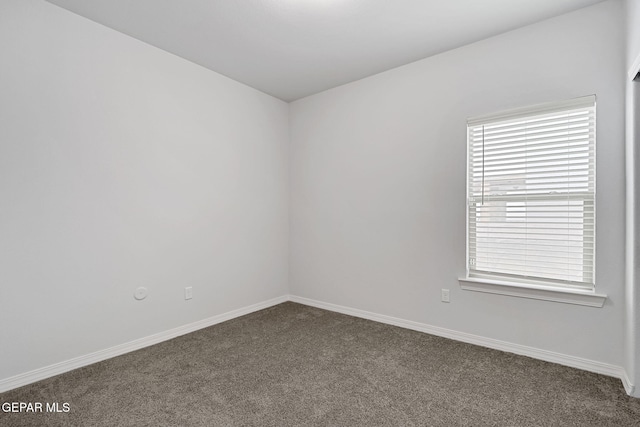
<point x="319" y="212"/>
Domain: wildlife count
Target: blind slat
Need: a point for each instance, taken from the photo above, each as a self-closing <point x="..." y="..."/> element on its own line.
<point x="531" y="193"/>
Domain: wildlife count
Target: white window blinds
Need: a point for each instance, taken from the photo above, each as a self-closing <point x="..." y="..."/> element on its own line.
<point x="531" y="194"/>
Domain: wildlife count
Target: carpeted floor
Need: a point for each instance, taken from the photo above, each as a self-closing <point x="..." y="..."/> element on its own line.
<point x="293" y="365"/>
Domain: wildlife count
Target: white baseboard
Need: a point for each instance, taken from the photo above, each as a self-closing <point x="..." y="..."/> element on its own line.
<point x="78" y="362"/>
<point x="548" y="356"/>
<point x="628" y="386"/>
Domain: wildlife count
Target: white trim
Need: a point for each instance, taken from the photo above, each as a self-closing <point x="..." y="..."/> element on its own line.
<point x="100" y="355"/>
<point x="548" y="356"/>
<point x="549" y="107"/>
<point x="628" y="386"/>
<point x="635" y="68"/>
<point x="81" y="361"/>
<point x="540" y="292"/>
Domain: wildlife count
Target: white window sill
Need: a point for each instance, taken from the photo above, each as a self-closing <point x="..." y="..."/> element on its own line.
<point x="534" y="291"/>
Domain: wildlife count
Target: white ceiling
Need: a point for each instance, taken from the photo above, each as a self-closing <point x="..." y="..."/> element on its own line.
<point x="294" y="48"/>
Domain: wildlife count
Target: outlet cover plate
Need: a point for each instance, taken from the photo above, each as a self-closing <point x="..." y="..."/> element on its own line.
<point x="445" y="295"/>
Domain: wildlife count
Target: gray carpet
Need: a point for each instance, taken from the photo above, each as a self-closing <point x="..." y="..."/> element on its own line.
<point x="293" y="365"/>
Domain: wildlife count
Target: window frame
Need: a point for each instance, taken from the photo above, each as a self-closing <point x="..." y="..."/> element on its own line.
<point x="536" y="288"/>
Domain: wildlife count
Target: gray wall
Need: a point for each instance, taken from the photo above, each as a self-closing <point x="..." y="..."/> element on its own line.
<point x="122" y="166"/>
<point x="378" y="183"/>
<point x="632" y="13"/>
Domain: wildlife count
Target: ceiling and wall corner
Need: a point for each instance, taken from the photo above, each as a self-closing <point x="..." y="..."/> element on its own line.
<point x="294" y="48"/>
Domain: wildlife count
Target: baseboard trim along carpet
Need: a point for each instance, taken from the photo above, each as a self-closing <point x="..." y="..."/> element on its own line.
<point x="547" y="356"/>
<point x="98" y="356"/>
<point x="628" y="386"/>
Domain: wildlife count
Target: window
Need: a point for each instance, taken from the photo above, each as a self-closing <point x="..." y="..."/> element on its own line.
<point x="531" y="195"/>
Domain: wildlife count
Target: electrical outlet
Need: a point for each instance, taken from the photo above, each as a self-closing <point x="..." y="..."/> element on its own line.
<point x="445" y="295"/>
<point x="188" y="292"/>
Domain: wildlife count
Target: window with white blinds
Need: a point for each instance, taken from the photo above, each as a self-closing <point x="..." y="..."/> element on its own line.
<point x="531" y="194"/>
